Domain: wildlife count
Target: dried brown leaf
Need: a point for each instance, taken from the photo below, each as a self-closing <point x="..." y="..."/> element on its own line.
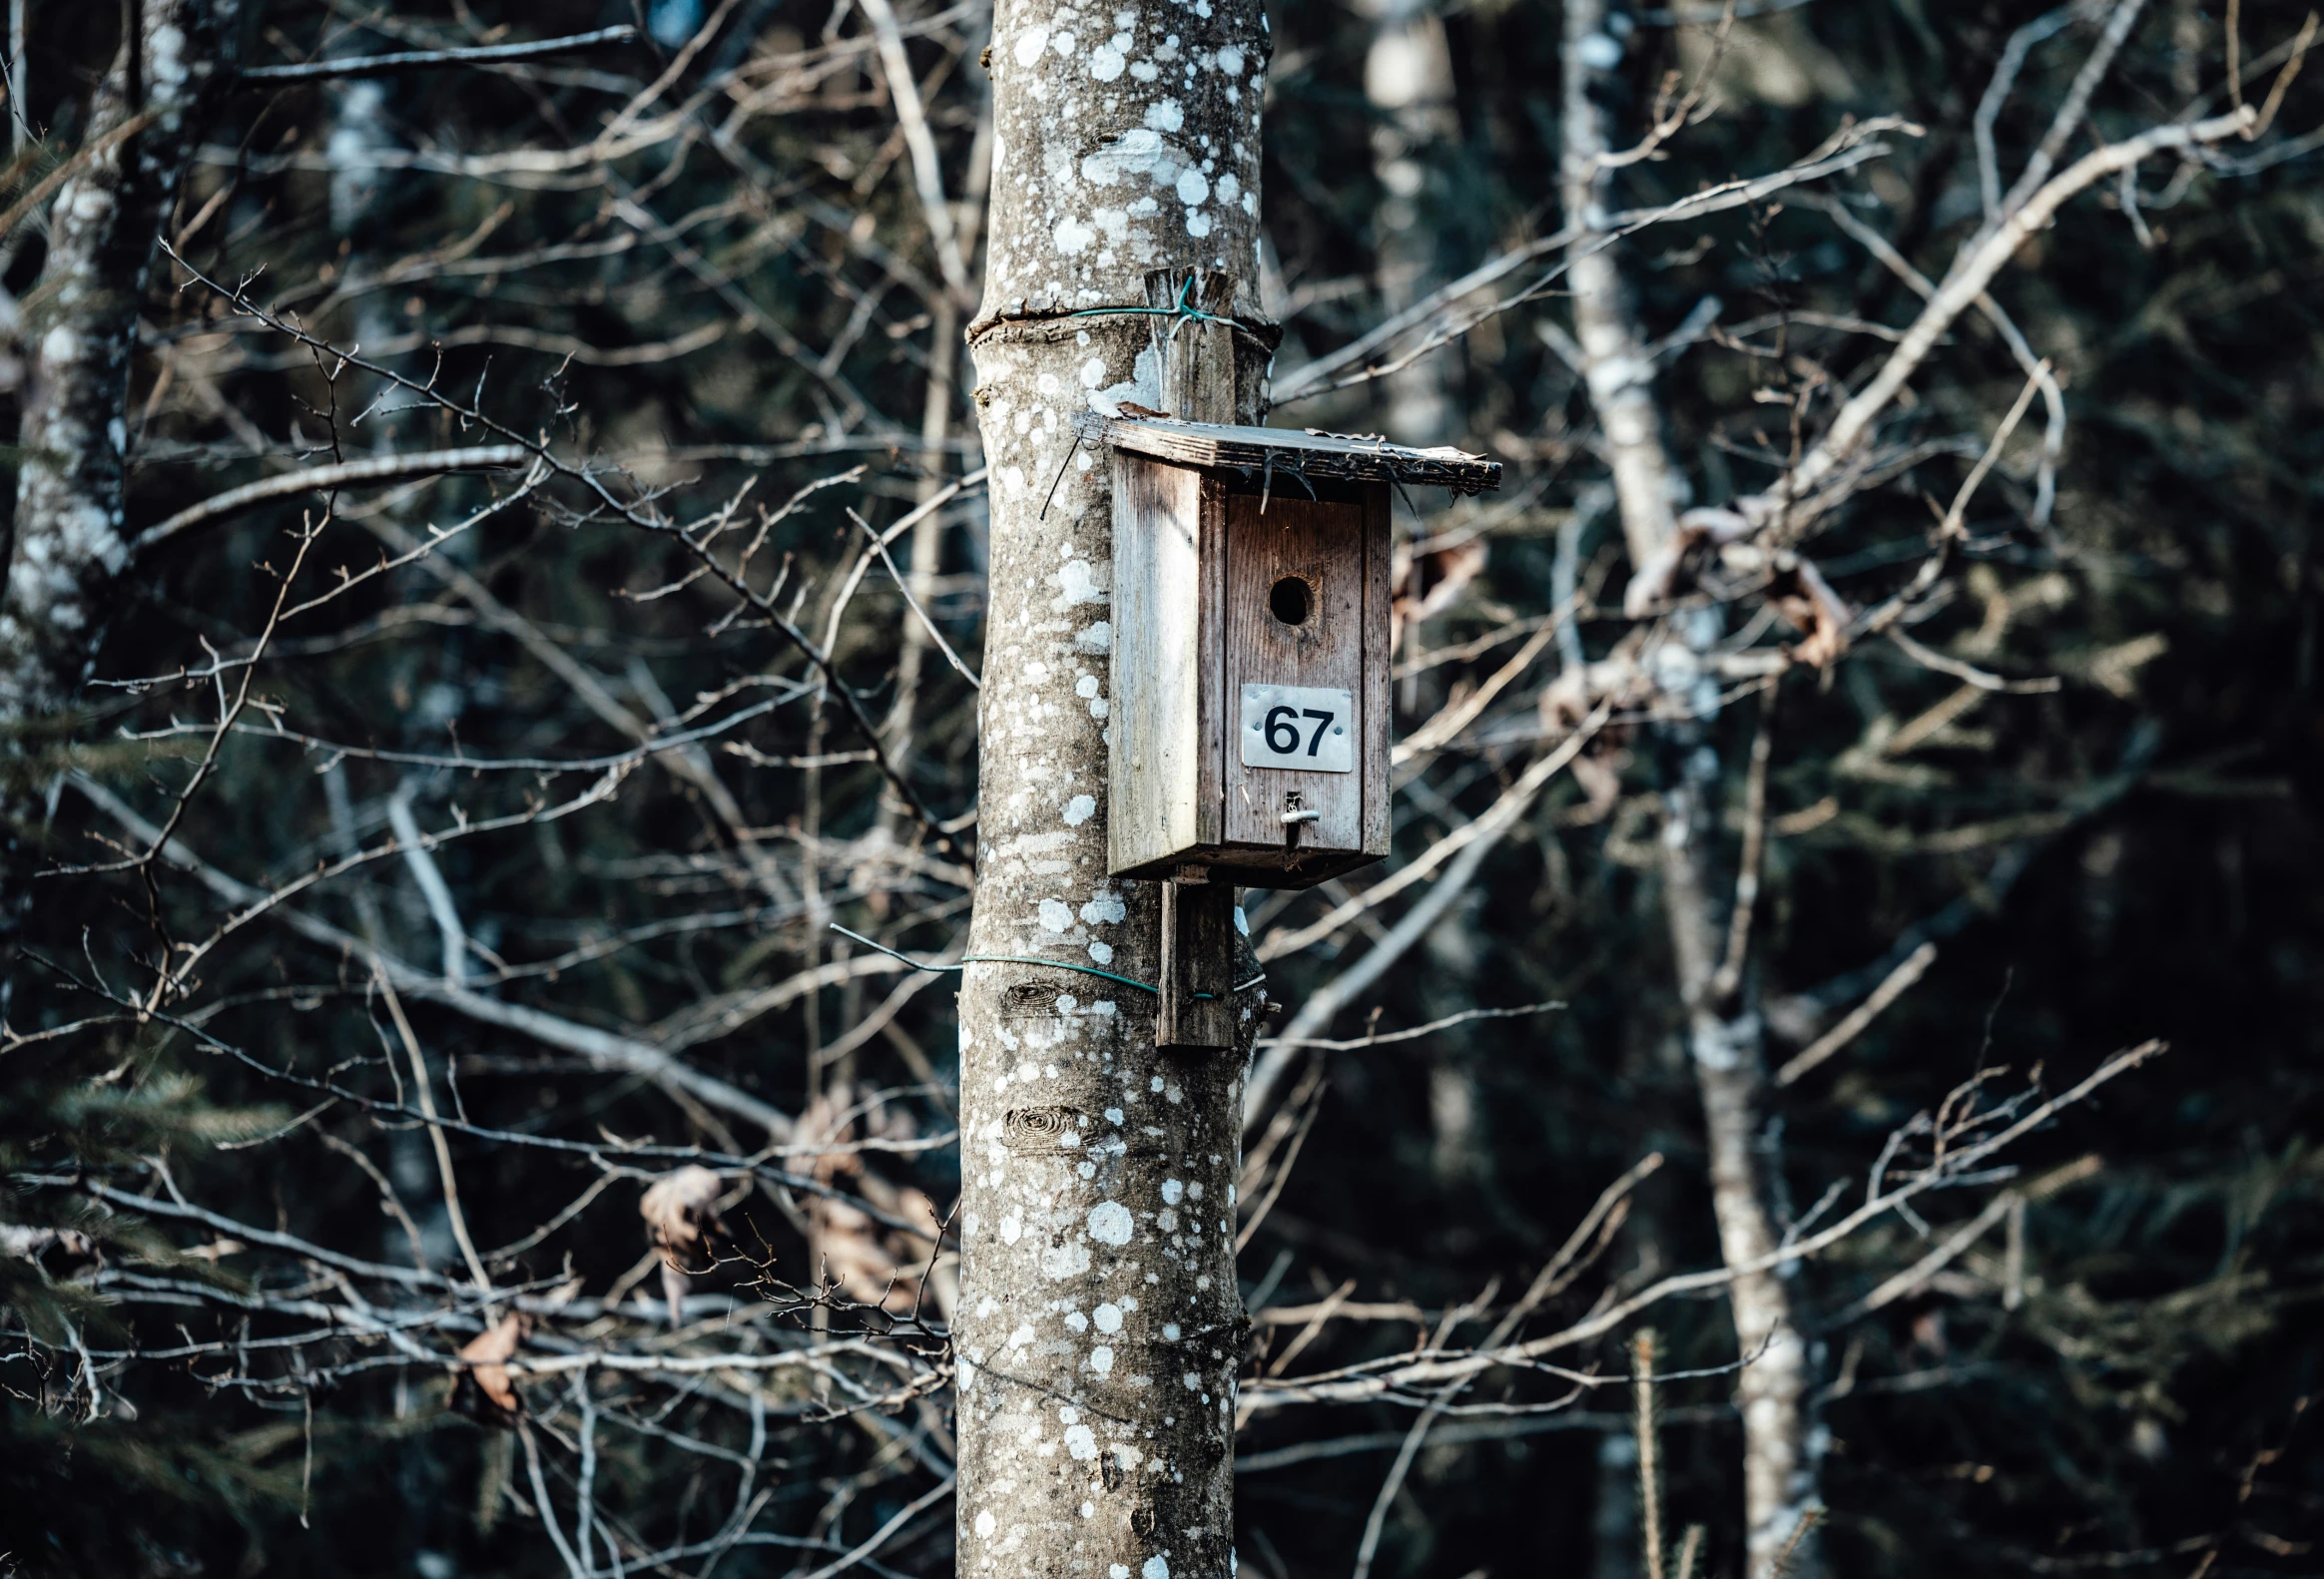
<point x="1808" y="603"/>
<point x="485" y="1390"/>
<point x="680" y="1212"/>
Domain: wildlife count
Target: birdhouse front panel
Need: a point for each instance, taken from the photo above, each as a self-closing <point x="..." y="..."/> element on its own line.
<point x="1306" y="680"/>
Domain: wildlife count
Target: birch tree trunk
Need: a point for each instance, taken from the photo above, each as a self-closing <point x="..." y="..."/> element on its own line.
<point x="1408" y="80"/>
<point x="1101" y="1324"/>
<point x="65" y="546"/>
<point x="1723" y="1033"/>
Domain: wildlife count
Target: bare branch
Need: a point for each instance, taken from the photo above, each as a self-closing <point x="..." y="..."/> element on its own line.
<point x="416" y="60"/>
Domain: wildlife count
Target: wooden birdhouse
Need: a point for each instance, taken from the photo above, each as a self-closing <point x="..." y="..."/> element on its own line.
<point x="1250" y="723"/>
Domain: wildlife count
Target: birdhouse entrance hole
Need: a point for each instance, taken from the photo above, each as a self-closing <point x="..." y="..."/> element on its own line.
<point x="1290" y="599"/>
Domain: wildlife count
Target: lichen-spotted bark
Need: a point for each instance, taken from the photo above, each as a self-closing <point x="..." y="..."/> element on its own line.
<point x="105" y="225"/>
<point x="67" y="546"/>
<point x="1101" y="1324"/>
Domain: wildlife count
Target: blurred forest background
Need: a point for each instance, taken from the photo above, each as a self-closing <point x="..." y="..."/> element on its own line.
<point x="543" y="825"/>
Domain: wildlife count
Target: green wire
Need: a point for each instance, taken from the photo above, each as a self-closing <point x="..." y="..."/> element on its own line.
<point x="1182" y="310"/>
<point x="1022" y="959"/>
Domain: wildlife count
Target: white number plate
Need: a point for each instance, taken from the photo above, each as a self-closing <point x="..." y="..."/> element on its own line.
<point x="1311" y="727"/>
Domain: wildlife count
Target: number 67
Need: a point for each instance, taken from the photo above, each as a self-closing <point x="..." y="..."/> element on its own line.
<point x="1283" y="733"/>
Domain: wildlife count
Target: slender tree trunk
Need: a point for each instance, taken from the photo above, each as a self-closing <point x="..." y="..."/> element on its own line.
<point x="1723" y="1033"/>
<point x="67" y="546"/>
<point x="1407" y="79"/>
<point x="1647" y="486"/>
<point x="937" y="418"/>
<point x="1100" y="1323"/>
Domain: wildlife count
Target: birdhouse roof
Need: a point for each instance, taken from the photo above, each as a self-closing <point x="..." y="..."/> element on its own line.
<point x="1307" y="452"/>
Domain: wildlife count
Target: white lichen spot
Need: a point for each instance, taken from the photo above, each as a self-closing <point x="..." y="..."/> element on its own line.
<point x="1156" y="1567"/>
<point x="1078" y="581"/>
<point x="1012" y="1227"/>
<point x="1101" y="953"/>
<point x="1097" y="638"/>
<point x="1055" y="916"/>
<point x="1230" y="60"/>
<point x="1105" y="907"/>
<point x="1113" y="1115"/>
<point x="1081" y="809"/>
<point x="1072" y="235"/>
<point x="1165" y="115"/>
<point x="1107" y="1317"/>
<point x="1101" y="1360"/>
<point x="1081" y="1442"/>
<point x="1029" y="45"/>
<point x="985" y="1525"/>
<point x="1170" y="1331"/>
<point x="1106" y="61"/>
<point x="1110" y="1223"/>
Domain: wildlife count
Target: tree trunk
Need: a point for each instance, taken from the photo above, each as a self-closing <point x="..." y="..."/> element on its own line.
<point x="67" y="545"/>
<point x="1723" y="1033"/>
<point x="1615" y="364"/>
<point x="1100" y="1323"/>
<point x="1408" y="80"/>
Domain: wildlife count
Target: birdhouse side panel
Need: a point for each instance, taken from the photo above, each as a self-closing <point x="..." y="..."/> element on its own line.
<point x="1295" y="681"/>
<point x="1164" y="662"/>
<point x="1379" y="707"/>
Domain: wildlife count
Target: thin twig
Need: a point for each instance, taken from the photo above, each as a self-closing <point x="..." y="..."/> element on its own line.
<point x="1897" y="982"/>
<point x="322" y="479"/>
<point x="418" y="59"/>
<point x="1729" y="976"/>
<point x="1650" y="1437"/>
<point x="1384" y="1039"/>
<point x="425" y="1090"/>
<point x="880" y="546"/>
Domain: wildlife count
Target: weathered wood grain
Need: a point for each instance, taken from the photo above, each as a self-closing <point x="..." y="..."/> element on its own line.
<point x="1322" y="545"/>
<point x="1378" y="716"/>
<point x="1196" y="1010"/>
<point x="1160" y="663"/>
